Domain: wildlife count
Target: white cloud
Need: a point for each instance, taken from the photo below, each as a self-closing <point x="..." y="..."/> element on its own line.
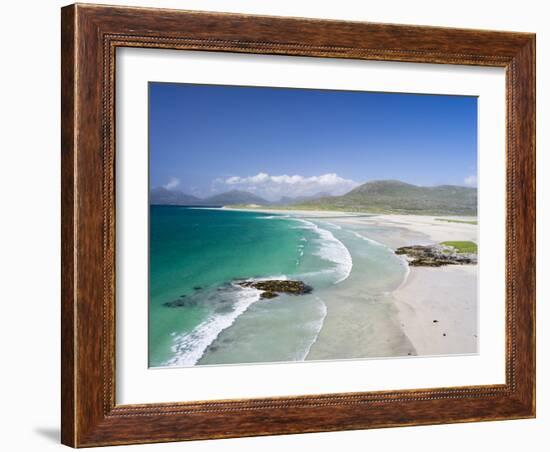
<point x="274" y="187"/>
<point x="471" y="181"/>
<point x="172" y="183"/>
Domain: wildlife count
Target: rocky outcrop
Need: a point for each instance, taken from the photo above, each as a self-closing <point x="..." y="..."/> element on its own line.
<point x="435" y="256"/>
<point x="273" y="287"/>
<point x="268" y="289"/>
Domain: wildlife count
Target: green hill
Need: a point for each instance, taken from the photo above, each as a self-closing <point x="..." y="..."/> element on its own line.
<point x="391" y="196"/>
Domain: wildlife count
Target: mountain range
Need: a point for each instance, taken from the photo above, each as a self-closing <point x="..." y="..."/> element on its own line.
<point x="162" y="196"/>
<point x="384" y="196"/>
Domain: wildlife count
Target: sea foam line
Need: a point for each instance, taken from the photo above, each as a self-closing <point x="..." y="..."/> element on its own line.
<point x="403" y="259"/>
<point x="407" y="271"/>
<point x="332" y="225"/>
<point x="272" y="217"/>
<point x="332" y="250"/>
<point x="188" y="348"/>
<point x="320" y="327"/>
<point x="367" y="239"/>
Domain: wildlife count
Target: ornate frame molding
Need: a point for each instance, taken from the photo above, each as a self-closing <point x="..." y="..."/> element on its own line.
<point x="90" y="37"/>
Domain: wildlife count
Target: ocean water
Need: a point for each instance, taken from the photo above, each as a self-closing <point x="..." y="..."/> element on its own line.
<point x="197" y="255"/>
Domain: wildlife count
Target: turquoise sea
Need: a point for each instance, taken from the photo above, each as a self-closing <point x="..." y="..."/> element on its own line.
<point x="198" y="315"/>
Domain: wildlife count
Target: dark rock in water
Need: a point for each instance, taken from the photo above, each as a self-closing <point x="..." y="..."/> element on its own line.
<point x="272" y="288"/>
<point x="435" y="255"/>
<point x="197" y="288"/>
<point x="180" y="303"/>
<point x="175" y="304"/>
<point x="429" y="263"/>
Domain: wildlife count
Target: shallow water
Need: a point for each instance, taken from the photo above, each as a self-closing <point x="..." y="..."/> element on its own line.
<point x="361" y="317"/>
<point x="198" y="254"/>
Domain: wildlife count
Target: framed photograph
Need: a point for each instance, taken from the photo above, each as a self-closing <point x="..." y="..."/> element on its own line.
<point x="281" y="225"/>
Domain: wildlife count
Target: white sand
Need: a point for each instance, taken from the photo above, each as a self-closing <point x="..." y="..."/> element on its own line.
<point x="432" y="227"/>
<point x="447" y="295"/>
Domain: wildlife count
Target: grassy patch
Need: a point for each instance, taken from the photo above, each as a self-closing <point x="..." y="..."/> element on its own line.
<point x="457" y="221"/>
<point x="462" y="247"/>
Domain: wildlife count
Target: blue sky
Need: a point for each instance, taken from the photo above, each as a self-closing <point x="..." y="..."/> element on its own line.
<point x="206" y="139"/>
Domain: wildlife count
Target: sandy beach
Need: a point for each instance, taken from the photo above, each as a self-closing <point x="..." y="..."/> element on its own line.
<point x="438" y="310"/>
<point x="437" y="307"/>
<point x="433" y="311"/>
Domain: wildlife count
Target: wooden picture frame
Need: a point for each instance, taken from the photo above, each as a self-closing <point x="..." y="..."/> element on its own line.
<point x="90" y="36"/>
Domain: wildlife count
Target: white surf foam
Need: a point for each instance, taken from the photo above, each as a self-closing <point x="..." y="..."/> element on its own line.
<point x="332" y="250"/>
<point x="407" y="271"/>
<point x="188" y="348"/>
<point x="332" y="225"/>
<point x="371" y="241"/>
<point x="272" y="217"/>
<point x="318" y="326"/>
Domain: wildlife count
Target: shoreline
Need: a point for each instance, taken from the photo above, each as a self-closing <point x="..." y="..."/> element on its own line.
<point x="446" y="295"/>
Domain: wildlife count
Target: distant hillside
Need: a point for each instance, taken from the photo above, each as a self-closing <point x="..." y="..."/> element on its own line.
<point x="391" y="196"/>
<point x="161" y="195"/>
<point x="287" y="200"/>
<point x="234" y="197"/>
